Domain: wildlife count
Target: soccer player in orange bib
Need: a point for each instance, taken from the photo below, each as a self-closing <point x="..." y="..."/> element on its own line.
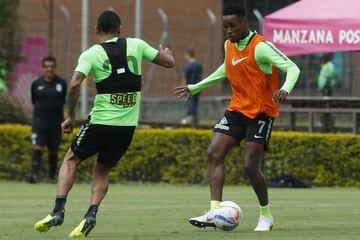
<point x="251" y="64"/>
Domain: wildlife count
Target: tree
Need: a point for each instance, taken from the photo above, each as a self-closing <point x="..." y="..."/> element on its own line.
<point x="9" y="26"/>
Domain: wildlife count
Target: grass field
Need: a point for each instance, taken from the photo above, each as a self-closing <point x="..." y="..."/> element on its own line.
<point x="161" y="212"/>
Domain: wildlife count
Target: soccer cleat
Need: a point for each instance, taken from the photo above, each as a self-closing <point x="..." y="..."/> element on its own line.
<point x="206" y="220"/>
<point x="48" y="222"/>
<point x="84" y="228"/>
<point x="265" y="224"/>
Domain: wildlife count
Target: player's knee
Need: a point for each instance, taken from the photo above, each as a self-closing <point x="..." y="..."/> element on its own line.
<point x="214" y="156"/>
<point x="251" y="166"/>
<point x="101" y="168"/>
<point x="251" y="170"/>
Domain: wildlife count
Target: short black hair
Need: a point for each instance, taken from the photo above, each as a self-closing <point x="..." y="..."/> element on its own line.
<point x="108" y="22"/>
<point x="234" y="9"/>
<point x="190" y="52"/>
<point x="48" y="58"/>
<point x="326" y="57"/>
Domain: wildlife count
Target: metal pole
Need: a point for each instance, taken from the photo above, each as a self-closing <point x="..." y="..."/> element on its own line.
<point x="164" y="41"/>
<point x="212" y="42"/>
<point x="164" y="37"/>
<point x="84" y="46"/>
<point x="212" y="37"/>
<point x="66" y="13"/>
<point x="138" y="18"/>
<point x="260" y="19"/>
<point x="51" y="29"/>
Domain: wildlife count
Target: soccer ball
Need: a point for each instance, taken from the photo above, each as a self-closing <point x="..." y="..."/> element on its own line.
<point x="227" y="215"/>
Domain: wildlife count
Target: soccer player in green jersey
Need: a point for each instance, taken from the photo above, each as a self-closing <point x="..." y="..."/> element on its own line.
<point x="116" y="67"/>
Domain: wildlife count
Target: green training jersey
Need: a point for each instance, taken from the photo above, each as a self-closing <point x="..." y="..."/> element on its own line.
<point x="327" y="76"/>
<point x="115" y="109"/>
<point x="266" y="56"/>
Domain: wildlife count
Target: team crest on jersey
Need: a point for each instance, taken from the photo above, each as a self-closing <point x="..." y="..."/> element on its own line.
<point x="59" y="87"/>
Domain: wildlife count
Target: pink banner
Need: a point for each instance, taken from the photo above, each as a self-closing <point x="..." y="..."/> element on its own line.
<point x="33" y="49"/>
<point x="299" y="29"/>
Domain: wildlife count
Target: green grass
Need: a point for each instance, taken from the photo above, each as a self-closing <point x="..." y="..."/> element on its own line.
<point x="161" y="212"/>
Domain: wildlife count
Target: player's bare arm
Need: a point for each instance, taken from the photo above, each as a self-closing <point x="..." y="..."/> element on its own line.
<point x="165" y="57"/>
<point x="73" y="95"/>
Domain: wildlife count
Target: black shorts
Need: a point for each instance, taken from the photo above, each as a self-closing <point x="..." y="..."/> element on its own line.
<point x="111" y="142"/>
<point x="49" y="136"/>
<point x="241" y="127"/>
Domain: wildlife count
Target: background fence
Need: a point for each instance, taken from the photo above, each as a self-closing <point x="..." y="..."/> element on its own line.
<point x="55" y="27"/>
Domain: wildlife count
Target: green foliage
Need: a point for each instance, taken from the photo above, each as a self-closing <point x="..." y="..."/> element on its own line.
<point x="11" y="111"/>
<point x="9" y="48"/>
<point x="179" y="156"/>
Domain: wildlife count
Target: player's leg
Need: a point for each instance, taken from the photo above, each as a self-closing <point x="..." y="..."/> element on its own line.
<point x="98" y="192"/>
<point x="195" y="109"/>
<point x="38" y="138"/>
<point x="113" y="148"/>
<point x="84" y="145"/>
<point x="189" y="111"/>
<point x="258" y="134"/>
<point x="66" y="180"/>
<point x="100" y="184"/>
<point x="54" y="138"/>
<point x="67" y="173"/>
<point x="253" y="152"/>
<point x="53" y="159"/>
<point x="220" y="145"/>
<point x="227" y="134"/>
<point x="36" y="160"/>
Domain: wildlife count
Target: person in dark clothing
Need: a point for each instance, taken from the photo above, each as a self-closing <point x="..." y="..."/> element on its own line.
<point x="192" y="74"/>
<point x="48" y="93"/>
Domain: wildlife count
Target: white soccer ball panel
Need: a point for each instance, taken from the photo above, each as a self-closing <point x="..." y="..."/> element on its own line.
<point x="227" y="215"/>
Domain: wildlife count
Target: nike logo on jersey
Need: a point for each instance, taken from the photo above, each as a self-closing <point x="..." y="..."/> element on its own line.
<point x="256" y="136"/>
<point x="41" y="87"/>
<point x="235" y="62"/>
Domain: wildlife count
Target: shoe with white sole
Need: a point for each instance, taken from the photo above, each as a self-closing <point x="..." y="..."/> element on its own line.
<point x="206" y="220"/>
<point x="265" y="224"/>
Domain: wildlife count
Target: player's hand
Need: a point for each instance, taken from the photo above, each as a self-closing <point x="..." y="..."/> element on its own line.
<point x="182" y="92"/>
<point x="68" y="125"/>
<point x="166" y="51"/>
<point x="280" y="96"/>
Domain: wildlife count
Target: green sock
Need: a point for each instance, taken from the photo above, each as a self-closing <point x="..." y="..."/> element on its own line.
<point x="214" y="204"/>
<point x="265" y="211"/>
